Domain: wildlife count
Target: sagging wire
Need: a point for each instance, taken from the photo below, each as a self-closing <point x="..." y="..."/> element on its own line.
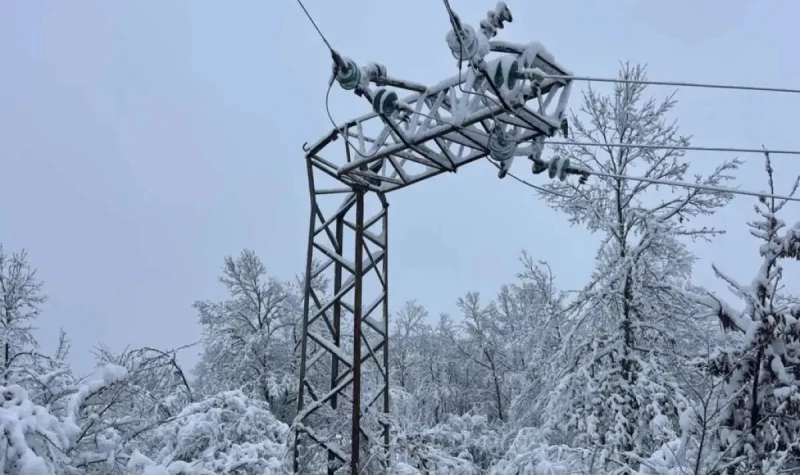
<point x="621" y="145"/>
<point x="336" y="127"/>
<point x="457" y="30"/>
<point x="527" y="183"/>
<point x="696" y="186"/>
<point x="454" y="22"/>
<point x="629" y="145"/>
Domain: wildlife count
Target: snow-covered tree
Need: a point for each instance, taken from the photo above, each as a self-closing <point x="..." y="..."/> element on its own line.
<point x="21" y="298"/>
<point x="465" y="444"/>
<point x="407" y="334"/>
<point x="615" y="389"/>
<point x="154" y="392"/>
<point x="79" y="439"/>
<point x="759" y="426"/>
<point x="226" y="433"/>
<point x="248" y="340"/>
<point x="485" y="347"/>
<point x="530" y="314"/>
<point x="432" y="379"/>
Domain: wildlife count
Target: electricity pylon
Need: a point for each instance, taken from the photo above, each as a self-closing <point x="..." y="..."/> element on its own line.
<point x="502" y="105"/>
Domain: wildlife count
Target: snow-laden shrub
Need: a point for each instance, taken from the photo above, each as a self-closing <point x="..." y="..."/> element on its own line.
<point x="32" y="439"/>
<point x="228" y="433"/>
<point x="464" y="445"/>
<point x="530" y="454"/>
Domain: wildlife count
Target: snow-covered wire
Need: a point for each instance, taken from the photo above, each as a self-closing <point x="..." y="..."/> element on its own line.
<point x="527" y="183"/>
<point x="672" y="147"/>
<point x="632" y="145"/>
<point x="455" y="24"/>
<point x="677" y="84"/>
<point x="645" y="179"/>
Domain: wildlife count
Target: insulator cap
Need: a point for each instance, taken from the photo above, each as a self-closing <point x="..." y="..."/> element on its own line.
<point x="494" y="19"/>
<point x="558" y="167"/>
<point x="385" y="102"/>
<point x="501" y="148"/>
<point x="563" y="169"/>
<point x="349" y="75"/>
<point x="376" y="70"/>
<point x="552" y="167"/>
<point x="506" y="73"/>
<point x="468" y="47"/>
<point x="539" y="165"/>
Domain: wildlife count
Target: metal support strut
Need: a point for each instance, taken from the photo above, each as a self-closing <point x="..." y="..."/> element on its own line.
<point x="343" y="395"/>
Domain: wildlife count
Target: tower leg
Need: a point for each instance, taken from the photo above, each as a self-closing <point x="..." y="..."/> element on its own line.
<point x="344" y="379"/>
<point x="355" y="437"/>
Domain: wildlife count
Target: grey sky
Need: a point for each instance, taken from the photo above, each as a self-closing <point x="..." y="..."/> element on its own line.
<point x="140" y="142"/>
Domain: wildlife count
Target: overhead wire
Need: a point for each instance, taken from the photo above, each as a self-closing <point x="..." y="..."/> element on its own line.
<point x="646" y="179"/>
<point x="697" y="186"/>
<point x="677" y="84"/>
<point x="330" y="85"/>
<point x="672" y="147"/>
<point x="626" y="177"/>
<point x="308" y="15"/>
<point x="630" y="145"/>
<point x="454" y="23"/>
<point x="647" y="146"/>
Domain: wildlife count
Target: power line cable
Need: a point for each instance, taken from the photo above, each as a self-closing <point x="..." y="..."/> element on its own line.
<point x="328" y="93"/>
<point x="697" y="186"/>
<point x="672" y="147"/>
<point x="454" y="23"/>
<point x="315" y="26"/>
<point x="651" y="180"/>
<point x="629" y="145"/>
<point x="675" y="83"/>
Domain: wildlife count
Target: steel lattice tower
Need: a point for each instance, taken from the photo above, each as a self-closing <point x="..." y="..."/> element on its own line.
<point x="503" y="105"/>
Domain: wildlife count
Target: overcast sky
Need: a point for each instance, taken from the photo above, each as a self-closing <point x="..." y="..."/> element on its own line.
<point x="140" y="142"/>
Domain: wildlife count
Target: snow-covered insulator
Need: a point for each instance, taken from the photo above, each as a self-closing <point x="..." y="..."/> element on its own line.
<point x="385" y="102"/>
<point x="552" y="167"/>
<point x="539" y="165"/>
<point x="375" y="70"/>
<point x="467" y="47"/>
<point x="348" y="75"/>
<point x="564" y="169"/>
<point x="558" y="168"/>
<point x="501" y="147"/>
<point x="494" y="19"/>
<point x="565" y="127"/>
<point x="537" y="148"/>
<point x="506" y="72"/>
